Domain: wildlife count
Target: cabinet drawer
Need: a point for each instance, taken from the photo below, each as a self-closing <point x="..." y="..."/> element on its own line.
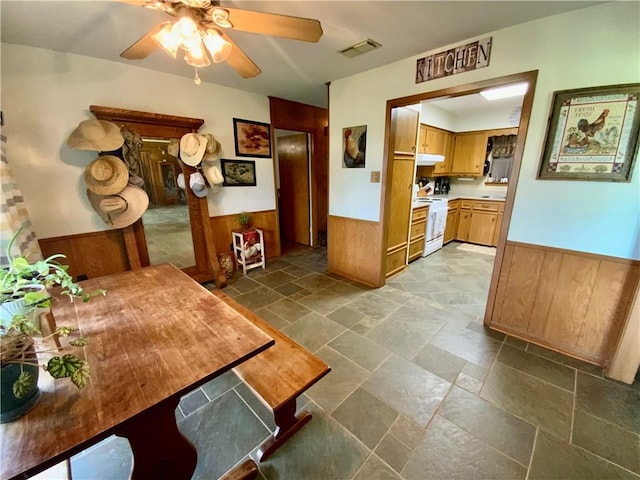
<point x="466" y="204"/>
<point x="415" y="249"/>
<point x="486" y="206"/>
<point x="452" y="205"/>
<point x="419" y="213"/>
<point x="418" y="230"/>
<point x="396" y="261"/>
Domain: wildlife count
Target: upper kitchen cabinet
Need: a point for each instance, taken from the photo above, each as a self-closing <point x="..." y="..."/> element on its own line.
<point x="469" y="153"/>
<point x="433" y="140"/>
<point x="407" y="120"/>
<point x="444" y="168"/>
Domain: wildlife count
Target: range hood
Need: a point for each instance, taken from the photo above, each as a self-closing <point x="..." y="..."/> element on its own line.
<point x="428" y="159"/>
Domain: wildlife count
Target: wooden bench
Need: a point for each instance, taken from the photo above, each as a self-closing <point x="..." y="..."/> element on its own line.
<point x="277" y="377"/>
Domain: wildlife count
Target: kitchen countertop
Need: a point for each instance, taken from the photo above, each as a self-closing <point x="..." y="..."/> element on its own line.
<point x="454" y="196"/>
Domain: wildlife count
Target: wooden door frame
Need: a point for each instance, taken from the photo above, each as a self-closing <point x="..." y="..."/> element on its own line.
<point x="298" y="117"/>
<point x="157" y="125"/>
<point x="456" y="91"/>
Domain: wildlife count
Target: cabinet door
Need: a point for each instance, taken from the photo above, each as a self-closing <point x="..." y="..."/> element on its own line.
<point x="422" y="138"/>
<point x="400" y="203"/>
<point x="496" y="235"/>
<point x="483" y="228"/>
<point x="451" y="226"/>
<point x="406" y="124"/>
<point x="444" y="168"/>
<point x="464" y="224"/>
<point x="469" y="153"/>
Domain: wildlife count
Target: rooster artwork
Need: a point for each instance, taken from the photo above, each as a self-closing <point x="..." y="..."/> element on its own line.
<point x="355" y="143"/>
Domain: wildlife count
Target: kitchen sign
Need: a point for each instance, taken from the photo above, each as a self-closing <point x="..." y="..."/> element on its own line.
<point x="456" y="60"/>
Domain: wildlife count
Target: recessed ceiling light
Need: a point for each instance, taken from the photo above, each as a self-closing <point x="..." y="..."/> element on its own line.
<point x="360" y="48"/>
<point x="516" y="90"/>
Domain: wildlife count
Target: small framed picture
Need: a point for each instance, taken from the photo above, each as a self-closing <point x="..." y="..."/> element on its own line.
<point x="592" y="134"/>
<point x="252" y="139"/>
<point x="238" y="173"/>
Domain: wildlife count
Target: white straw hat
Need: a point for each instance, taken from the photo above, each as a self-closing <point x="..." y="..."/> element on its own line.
<point x="212" y="173"/>
<point x="192" y="148"/>
<point x="198" y="185"/>
<point x="213" y="145"/>
<point x="123" y="209"/>
<point x="97" y="135"/>
<point x="174" y="147"/>
<point x="106" y="175"/>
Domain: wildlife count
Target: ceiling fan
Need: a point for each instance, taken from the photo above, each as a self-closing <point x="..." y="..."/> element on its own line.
<point x="198" y="29"/>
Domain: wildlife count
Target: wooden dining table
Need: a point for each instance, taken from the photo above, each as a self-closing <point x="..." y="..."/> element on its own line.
<point x="155" y="336"/>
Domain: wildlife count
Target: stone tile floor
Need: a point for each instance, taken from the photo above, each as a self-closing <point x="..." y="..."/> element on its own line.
<point x="419" y="389"/>
<point x="168" y="233"/>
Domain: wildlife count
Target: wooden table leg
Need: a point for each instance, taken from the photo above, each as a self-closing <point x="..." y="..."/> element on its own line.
<point x="160" y="450"/>
<point x="287" y="423"/>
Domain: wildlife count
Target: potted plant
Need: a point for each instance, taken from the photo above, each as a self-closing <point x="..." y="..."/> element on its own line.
<point x="245" y="220"/>
<point x="23" y="291"/>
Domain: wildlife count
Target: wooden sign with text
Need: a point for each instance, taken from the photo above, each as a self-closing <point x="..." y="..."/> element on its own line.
<point x="456" y="60"/>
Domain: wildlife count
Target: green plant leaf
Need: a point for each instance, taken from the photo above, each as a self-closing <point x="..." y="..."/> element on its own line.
<point x="23" y="384"/>
<point x="65" y="366"/>
<point x="81" y="376"/>
<point x="79" y="342"/>
<point x="65" y="331"/>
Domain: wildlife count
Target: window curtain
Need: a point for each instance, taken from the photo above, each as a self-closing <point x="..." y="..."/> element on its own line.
<point x="14" y="215"/>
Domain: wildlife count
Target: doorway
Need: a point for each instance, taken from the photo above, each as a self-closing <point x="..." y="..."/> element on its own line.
<point x="294" y="189"/>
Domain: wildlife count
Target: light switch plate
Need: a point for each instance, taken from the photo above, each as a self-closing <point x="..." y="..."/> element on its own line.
<point x="375" y="176"/>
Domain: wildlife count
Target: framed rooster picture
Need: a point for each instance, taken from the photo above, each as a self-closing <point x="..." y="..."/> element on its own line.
<point x="354" y="146"/>
<point x="592" y="134"/>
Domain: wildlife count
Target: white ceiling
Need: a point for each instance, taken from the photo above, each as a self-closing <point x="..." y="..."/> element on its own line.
<point x="290" y="69"/>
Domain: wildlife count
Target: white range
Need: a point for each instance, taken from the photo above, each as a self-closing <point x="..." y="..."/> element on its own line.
<point x="436" y="222"/>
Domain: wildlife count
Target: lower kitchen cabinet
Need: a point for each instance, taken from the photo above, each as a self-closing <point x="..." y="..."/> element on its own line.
<point x="417" y="232"/>
<point x="451" y="226"/>
<point x="479" y="222"/>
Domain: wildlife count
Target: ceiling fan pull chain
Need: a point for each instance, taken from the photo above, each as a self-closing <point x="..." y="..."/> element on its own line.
<point x="197" y="80"/>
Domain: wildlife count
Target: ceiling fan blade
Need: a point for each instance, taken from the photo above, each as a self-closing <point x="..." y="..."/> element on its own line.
<point x="296" y="28"/>
<point x="239" y="60"/>
<point x="142" y="47"/>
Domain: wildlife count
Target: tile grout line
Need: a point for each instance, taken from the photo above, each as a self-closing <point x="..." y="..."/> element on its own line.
<point x="533" y="450"/>
<point x="573" y="406"/>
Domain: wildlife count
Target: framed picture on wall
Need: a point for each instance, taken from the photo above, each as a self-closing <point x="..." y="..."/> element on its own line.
<point x="354" y="146"/>
<point x="238" y="173"/>
<point x="592" y="134"/>
<point x="252" y="139"/>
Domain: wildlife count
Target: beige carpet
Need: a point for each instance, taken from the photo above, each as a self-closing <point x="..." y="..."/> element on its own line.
<point x="469" y="247"/>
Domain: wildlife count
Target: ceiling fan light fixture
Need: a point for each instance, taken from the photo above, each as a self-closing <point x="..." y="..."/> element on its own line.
<point x="167" y="40"/>
<point x="197" y="57"/>
<point x="218" y="47"/>
<point x="187" y="30"/>
<point x="220" y="17"/>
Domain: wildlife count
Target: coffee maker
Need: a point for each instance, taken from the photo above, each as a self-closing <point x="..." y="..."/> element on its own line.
<point x="445" y="186"/>
<point x="437" y="188"/>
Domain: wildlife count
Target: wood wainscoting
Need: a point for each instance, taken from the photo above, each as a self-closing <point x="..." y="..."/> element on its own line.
<point x="573" y="302"/>
<point x="267" y="221"/>
<point x="354" y="249"/>
<point x="90" y="254"/>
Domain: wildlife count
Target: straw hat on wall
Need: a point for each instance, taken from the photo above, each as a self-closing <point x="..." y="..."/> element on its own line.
<point x="123" y="209"/>
<point x="96" y="135"/>
<point x="106" y="175"/>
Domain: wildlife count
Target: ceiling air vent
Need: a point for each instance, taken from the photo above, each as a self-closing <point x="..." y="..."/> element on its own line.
<point x="360" y="48"/>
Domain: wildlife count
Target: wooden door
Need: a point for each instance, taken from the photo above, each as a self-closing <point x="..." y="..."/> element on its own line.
<point x="293" y="163"/>
<point x="444" y="168"/>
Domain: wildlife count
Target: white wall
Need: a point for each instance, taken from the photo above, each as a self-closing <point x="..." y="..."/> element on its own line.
<point x="597" y="217"/>
<point x="45" y="94"/>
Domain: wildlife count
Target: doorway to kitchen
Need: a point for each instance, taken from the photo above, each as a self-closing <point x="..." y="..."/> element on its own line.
<point x="293" y="189"/>
<point x="468" y="155"/>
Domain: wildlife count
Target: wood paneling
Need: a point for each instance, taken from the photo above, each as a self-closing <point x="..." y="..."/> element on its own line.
<point x="573" y="302"/>
<point x="626" y="358"/>
<point x="354" y="249"/>
<point x="90" y="254"/>
<point x="266" y="221"/>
